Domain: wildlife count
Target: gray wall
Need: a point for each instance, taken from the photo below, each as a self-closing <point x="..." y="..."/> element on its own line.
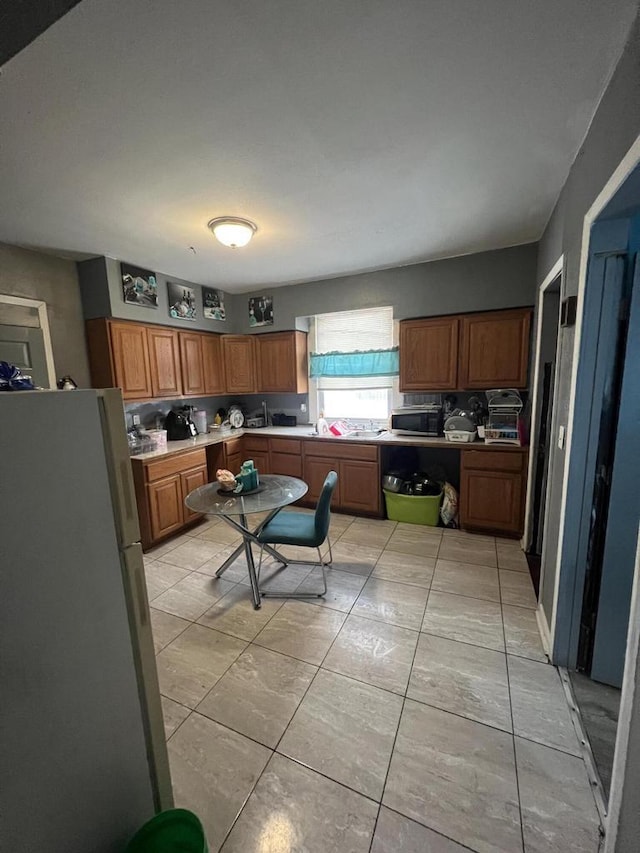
<point x="613" y="130"/>
<point x="101" y="286"/>
<point x="34" y="275"/>
<point x="504" y="278"/>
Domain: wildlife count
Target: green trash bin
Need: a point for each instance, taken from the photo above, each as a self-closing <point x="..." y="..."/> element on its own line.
<point x="413" y="509"/>
<point x="172" y="831"/>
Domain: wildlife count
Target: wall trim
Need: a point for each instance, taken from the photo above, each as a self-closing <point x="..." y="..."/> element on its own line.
<point x="543" y="627"/>
<point x="618" y="177"/>
<point x="555" y="271"/>
<point x="44" y="325"/>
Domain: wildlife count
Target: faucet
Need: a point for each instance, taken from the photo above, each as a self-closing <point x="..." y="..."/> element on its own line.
<point x="265" y="413"/>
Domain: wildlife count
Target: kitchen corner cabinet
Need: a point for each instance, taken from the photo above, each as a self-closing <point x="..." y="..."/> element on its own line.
<point x="282" y="362"/>
<point x="239" y="364"/>
<point x="429" y="354"/>
<point x="492" y="491"/>
<point x="164" y="362"/>
<point x="494" y="349"/>
<point x="161" y="487"/>
<point x="119" y="357"/>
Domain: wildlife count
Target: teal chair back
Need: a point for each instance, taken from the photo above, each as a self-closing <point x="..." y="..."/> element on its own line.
<point x="324" y="506"/>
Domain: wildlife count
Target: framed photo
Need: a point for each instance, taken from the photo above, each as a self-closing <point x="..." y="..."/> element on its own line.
<point x="182" y="301"/>
<point x="213" y="303"/>
<point x="261" y="311"/>
<point x="139" y="287"/>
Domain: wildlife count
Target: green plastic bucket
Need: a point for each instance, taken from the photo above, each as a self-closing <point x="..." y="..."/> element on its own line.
<point x="413" y="509"/>
<point x="173" y="831"/>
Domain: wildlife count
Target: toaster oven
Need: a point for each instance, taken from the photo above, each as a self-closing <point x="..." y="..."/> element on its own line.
<point x="417" y="420"/>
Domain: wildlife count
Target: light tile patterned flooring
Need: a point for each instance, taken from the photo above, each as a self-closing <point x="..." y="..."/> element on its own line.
<point x="411" y="710"/>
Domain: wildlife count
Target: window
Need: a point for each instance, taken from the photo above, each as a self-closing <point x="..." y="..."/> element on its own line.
<point x="356" y="398"/>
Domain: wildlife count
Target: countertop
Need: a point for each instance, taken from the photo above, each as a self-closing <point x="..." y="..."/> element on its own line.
<point x="306" y="432"/>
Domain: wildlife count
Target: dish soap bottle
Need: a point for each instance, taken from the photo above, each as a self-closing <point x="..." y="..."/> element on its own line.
<point x="322" y="427"/>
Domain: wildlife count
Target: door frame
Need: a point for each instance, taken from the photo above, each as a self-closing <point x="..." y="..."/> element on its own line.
<point x="556" y="270"/>
<point x="43" y="318"/>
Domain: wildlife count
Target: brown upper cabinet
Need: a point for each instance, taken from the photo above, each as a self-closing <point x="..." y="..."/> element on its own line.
<point x="282" y="362"/>
<point x="119" y="357"/>
<point x="164" y="362"/>
<point x="494" y="349"/>
<point x="465" y="351"/>
<point x="429" y="354"/>
<point x="192" y="363"/>
<point x="212" y="364"/>
<point x="239" y="363"/>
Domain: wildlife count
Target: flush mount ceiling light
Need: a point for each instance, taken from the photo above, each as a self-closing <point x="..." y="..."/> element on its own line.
<point x="232" y="231"/>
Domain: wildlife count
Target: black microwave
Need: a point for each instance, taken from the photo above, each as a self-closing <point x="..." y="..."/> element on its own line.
<point x="418" y="420"/>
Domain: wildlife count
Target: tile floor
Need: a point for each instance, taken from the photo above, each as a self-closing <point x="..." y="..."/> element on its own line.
<point x="411" y="710"/>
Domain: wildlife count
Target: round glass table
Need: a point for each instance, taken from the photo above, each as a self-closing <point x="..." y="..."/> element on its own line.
<point x="274" y="492"/>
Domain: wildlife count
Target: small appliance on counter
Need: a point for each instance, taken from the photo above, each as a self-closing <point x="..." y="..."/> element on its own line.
<point x="236" y="416"/>
<point x="281" y="420"/>
<point x="255" y="423"/>
<point x="200" y="419"/>
<point x="503" y="424"/>
<point x="460" y="427"/>
<point x="179" y="425"/>
<point x="417" y="420"/>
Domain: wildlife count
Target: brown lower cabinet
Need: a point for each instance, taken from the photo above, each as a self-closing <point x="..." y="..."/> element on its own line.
<point x="161" y="487"/>
<point x="492" y="491"/>
<point x="358" y="469"/>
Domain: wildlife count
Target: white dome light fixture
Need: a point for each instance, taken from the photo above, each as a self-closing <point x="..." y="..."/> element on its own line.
<point x="232" y="231"/>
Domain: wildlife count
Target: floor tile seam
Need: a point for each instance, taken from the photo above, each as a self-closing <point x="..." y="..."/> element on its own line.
<point x="181" y="723"/>
<point x="426" y="826"/>
<point x="465" y="595"/>
<point x="171" y="586"/>
<point x="393" y="580"/>
<point x="487" y="725"/>
<point x="473" y="645"/>
<point x="326" y="668"/>
<point x="176" y="636"/>
<point x="193" y="621"/>
<point x="210" y="557"/>
<point x="513" y="727"/>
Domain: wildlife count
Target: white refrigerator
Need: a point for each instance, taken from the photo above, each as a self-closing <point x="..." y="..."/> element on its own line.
<point x="82" y="747"/>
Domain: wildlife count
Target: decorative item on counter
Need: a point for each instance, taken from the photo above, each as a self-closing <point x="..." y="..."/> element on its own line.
<point x="200" y="419"/>
<point x="261" y="311"/>
<point x="213" y="302"/>
<point x="11" y="379"/>
<point x="182" y="301"/>
<point x="236" y="416"/>
<point x="66" y="383"/>
<point x="139" y="287"/>
<point x="339" y="428"/>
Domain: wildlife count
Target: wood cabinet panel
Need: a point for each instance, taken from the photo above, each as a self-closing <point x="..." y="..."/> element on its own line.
<point x="256" y="443"/>
<point x="165" y="506"/>
<point x="174" y="464"/>
<point x="492" y="501"/>
<point x="286" y="463"/>
<point x="234" y="462"/>
<point x="131" y="360"/>
<point x="494" y="349"/>
<point x="315" y="472"/>
<point x="261" y="460"/>
<point x="429" y="354"/>
<point x="494" y="460"/>
<point x="192" y="363"/>
<point x="282" y="362"/>
<point x="286" y="445"/>
<point x="239" y="363"/>
<point x="189" y="481"/>
<point x="360" y="486"/>
<point x="164" y="362"/>
<point x="345" y="449"/>
<point x="213" y="365"/>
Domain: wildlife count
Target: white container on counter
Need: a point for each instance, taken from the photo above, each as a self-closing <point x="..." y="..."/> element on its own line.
<point x="200" y="419"/>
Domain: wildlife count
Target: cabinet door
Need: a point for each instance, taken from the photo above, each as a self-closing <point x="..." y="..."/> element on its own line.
<point x="286" y="463"/>
<point x="212" y="364"/>
<point x="164" y="361"/>
<point x="165" y="506"/>
<point x="131" y="360"/>
<point x="233" y="462"/>
<point x="260" y="460"/>
<point x="492" y="501"/>
<point x="360" y="486"/>
<point x="315" y="471"/>
<point x="191" y="480"/>
<point x="281" y="359"/>
<point x="192" y="364"/>
<point x="239" y="364"/>
<point x="429" y="354"/>
<point x="494" y="349"/>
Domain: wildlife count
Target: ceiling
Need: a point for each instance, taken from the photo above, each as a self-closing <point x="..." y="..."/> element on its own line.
<point x="357" y="135"/>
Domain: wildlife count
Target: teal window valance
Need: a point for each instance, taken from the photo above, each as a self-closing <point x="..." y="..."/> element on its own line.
<point x="381" y="362"/>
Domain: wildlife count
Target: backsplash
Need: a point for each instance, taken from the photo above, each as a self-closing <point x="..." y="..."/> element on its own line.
<point x="153" y="412"/>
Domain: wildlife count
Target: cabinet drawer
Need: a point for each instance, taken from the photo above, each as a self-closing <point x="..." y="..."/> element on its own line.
<point x="493" y="460"/>
<point x="233" y="446"/>
<point x="337" y="450"/>
<point x="256" y="442"/>
<point x="175" y="464"/>
<point x="286" y="445"/>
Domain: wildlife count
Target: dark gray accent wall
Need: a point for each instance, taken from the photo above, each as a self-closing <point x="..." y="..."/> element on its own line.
<point x="614" y="128"/>
<point x="101" y="285"/>
<point x="34" y="275"/>
<point x="504" y="278"/>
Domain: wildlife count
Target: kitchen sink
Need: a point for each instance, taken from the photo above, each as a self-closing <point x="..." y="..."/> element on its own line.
<point x="363" y="433"/>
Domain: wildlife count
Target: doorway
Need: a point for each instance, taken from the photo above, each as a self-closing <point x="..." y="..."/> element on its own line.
<point x="25" y="340"/>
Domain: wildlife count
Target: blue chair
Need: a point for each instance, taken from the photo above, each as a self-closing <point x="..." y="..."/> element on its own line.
<point x="308" y="531"/>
